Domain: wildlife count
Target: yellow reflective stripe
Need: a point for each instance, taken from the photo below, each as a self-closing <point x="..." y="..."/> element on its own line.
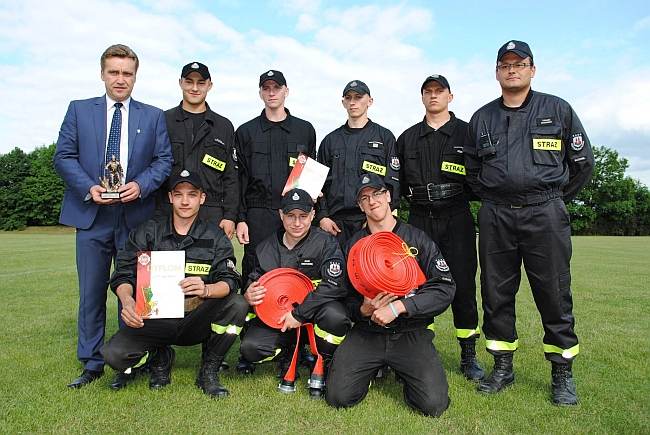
<point x="373" y="167"/>
<point x="330" y="338"/>
<point x="566" y="353"/>
<point x="277" y="351"/>
<point x="250" y="316"/>
<point x="467" y="333"/>
<point x="315" y="282"/>
<point x="139" y="363"/>
<point x="432" y="327"/>
<point x="292" y="161"/>
<point x="501" y="345"/>
<point x="453" y="167"/>
<point x="213" y="162"/>
<point x="228" y="329"/>
<point x="547" y="144"/>
<point x="197" y="268"/>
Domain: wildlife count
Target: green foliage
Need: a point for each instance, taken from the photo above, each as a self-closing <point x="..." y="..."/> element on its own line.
<point x="30" y="189"/>
<point x="611" y="203"/>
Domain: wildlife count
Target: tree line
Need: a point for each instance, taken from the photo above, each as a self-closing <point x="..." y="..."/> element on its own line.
<point x="611" y="204"/>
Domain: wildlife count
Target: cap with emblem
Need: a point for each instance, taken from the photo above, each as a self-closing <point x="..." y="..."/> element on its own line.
<point x="356" y="86"/>
<point x="274" y="75"/>
<point x="519" y="48"/>
<point x="297" y="199"/>
<point x="441" y="80"/>
<point x="196" y="67"/>
<point x="185" y="176"/>
<point x="370" y="180"/>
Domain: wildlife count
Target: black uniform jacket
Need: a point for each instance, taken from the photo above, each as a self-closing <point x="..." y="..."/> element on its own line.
<point x="349" y="153"/>
<point x="208" y="252"/>
<point x="524" y="155"/>
<point x="264" y="166"/>
<point x="210" y="153"/>
<point x="433" y="156"/>
<point x="424" y="303"/>
<point x="318" y="256"/>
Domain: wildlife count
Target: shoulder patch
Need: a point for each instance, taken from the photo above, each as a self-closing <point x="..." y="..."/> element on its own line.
<point x="441" y="265"/>
<point x="334" y="269"/>
<point x="577" y="143"/>
<point x="394" y="163"/>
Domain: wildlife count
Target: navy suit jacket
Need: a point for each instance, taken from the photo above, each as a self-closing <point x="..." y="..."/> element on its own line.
<point x="80" y="154"/>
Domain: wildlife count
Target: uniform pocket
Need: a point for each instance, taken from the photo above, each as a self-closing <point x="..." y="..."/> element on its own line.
<point x="452" y="167"/>
<point x="373" y="160"/>
<point x="260" y="159"/>
<point x="546" y="145"/>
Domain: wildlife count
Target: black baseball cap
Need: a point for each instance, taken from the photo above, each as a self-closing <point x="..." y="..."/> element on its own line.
<point x="370" y="180"/>
<point x="519" y="48"/>
<point x="196" y="67"/>
<point x="185" y="176"/>
<point x="297" y="199"/>
<point x="441" y="80"/>
<point x="356" y="86"/>
<point x="274" y="75"/>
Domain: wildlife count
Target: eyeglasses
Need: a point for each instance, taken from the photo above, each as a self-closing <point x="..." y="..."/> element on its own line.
<point x="375" y="195"/>
<point x="515" y="66"/>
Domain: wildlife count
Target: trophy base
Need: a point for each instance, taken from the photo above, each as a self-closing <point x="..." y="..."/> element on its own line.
<point x="110" y="195"/>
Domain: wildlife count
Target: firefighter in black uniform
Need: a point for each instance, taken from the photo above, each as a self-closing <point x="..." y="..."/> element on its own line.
<point x="359" y="146"/>
<point x="214" y="311"/>
<point x="526" y="154"/>
<point x="394" y="331"/>
<point x="267" y="149"/>
<point x="316" y="254"/>
<point x="203" y="143"/>
<point x="433" y="181"/>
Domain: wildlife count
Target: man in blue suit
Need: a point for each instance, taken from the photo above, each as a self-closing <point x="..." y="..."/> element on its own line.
<point x="96" y="131"/>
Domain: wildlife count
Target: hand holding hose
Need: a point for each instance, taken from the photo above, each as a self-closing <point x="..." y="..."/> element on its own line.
<point x="255" y="293"/>
<point x="369" y="306"/>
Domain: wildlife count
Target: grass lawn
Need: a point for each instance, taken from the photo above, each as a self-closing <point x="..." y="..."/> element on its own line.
<point x="38" y="285"/>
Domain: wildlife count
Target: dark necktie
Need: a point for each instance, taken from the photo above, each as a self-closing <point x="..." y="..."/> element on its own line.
<point x="113" y="146"/>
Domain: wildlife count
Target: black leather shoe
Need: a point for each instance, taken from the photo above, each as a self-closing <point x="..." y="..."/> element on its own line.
<point x="563" y="386"/>
<point x="502" y="375"/>
<point x="161" y="368"/>
<point x="208" y="380"/>
<point x="85" y="378"/>
<point x="122" y="380"/>
<point x="469" y="365"/>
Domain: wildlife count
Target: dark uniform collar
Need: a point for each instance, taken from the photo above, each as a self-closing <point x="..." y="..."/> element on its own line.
<point x="395" y="228"/>
<point x="280" y="234"/>
<point x="447" y="129"/>
<point x="181" y="114"/>
<point x="346" y="128"/>
<point x="285" y="124"/>
<point x="523" y="105"/>
<point x="169" y="231"/>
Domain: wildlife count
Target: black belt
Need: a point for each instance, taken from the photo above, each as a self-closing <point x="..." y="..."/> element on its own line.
<point x="435" y="192"/>
<point x="530" y="200"/>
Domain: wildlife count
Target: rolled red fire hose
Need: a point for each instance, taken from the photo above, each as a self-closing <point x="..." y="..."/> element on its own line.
<point x="285" y="288"/>
<point x="383" y="262"/>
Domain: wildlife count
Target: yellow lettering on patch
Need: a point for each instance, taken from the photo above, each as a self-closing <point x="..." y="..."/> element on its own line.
<point x="197" y="268"/>
<point x="547" y="144"/>
<point x="453" y="167"/>
<point x="315" y="282"/>
<point x="213" y="162"/>
<point x="373" y="167"/>
<point x="292" y="161"/>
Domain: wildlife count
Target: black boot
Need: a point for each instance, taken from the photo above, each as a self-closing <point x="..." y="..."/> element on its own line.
<point x="501" y="376"/>
<point x="161" y="367"/>
<point x="469" y="366"/>
<point x="208" y="379"/>
<point x="562" y="384"/>
<point x="244" y="367"/>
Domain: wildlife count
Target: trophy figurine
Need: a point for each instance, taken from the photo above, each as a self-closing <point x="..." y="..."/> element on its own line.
<point x="112" y="180"/>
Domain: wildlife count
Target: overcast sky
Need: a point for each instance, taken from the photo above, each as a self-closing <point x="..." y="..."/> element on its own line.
<point x="594" y="54"/>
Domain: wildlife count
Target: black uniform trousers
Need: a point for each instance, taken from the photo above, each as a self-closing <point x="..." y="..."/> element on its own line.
<point x="349" y="223"/>
<point x="262" y="223"/>
<point x="411" y="354"/>
<point x="215" y="323"/>
<point x="540" y="236"/>
<point x="453" y="231"/>
<point x="263" y="343"/>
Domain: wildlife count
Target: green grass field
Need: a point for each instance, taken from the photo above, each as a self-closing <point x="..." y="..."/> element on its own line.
<point x="39" y="292"/>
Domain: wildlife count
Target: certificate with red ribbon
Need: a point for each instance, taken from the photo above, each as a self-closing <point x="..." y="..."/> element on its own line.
<point x="307" y="174"/>
<point x="158" y="294"/>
